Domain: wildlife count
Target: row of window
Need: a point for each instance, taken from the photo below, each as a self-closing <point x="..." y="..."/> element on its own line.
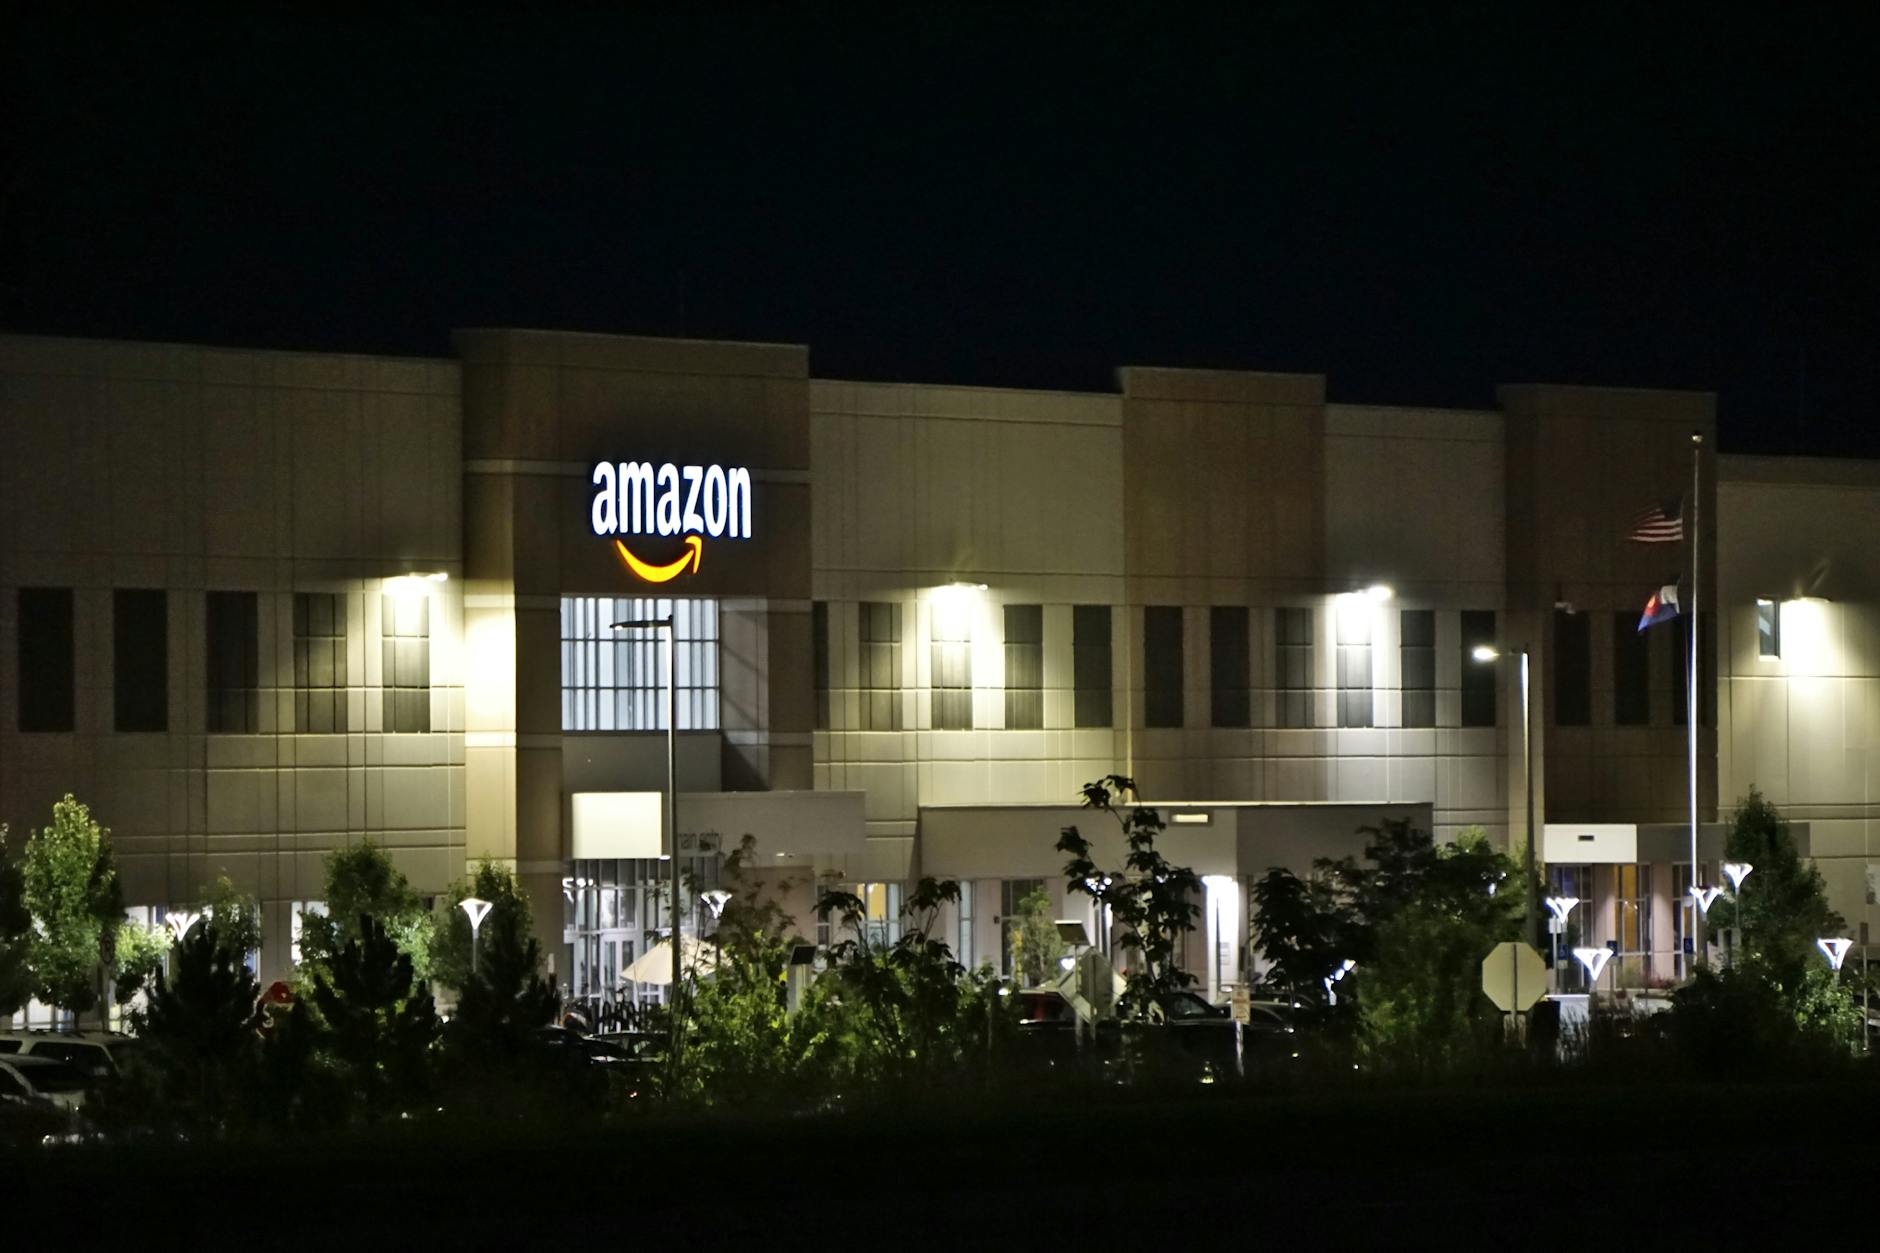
<point x="878" y="675"/>
<point x="1572" y="695"/>
<point x="140" y="654"/>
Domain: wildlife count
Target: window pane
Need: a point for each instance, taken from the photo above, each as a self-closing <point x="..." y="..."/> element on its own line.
<point x="1090" y="650"/>
<point x="45" y="670"/>
<point x="1573" y="664"/>
<point x="1229" y="697"/>
<point x="140" y="652"/>
<point x="1478" y="677"/>
<point x="1162" y="668"/>
<point x="1631" y="672"/>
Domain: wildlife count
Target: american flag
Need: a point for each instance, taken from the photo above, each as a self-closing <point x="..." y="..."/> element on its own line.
<point x="1663" y="523"/>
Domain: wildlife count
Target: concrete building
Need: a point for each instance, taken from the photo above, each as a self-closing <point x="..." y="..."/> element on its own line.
<point x="258" y="605"/>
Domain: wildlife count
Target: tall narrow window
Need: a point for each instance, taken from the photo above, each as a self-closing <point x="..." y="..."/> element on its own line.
<point x="1478" y="677"/>
<point x="1417" y="659"/>
<point x="45" y="672"/>
<point x="1229" y="697"/>
<point x="1162" y="666"/>
<point x="1015" y="899"/>
<point x="952" y="661"/>
<point x="320" y="663"/>
<point x="1631" y="672"/>
<point x="406" y="631"/>
<point x="1292" y="670"/>
<point x="1573" y="669"/>
<point x="140" y="659"/>
<point x="966" y="952"/>
<point x="1354" y="664"/>
<point x="616" y="680"/>
<point x="819" y="659"/>
<point x="1768" y="630"/>
<point x="881" y="666"/>
<point x="1707" y="672"/>
<point x="232" y="657"/>
<point x="1090" y="655"/>
<point x="1024" y="667"/>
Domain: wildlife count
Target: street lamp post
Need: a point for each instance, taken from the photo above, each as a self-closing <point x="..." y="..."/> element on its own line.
<point x="1488" y="653"/>
<point x="476" y="911"/>
<point x="1736" y="872"/>
<point x="672" y="802"/>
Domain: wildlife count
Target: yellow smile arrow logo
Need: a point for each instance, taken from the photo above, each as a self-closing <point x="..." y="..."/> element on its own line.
<point x="672" y="569"/>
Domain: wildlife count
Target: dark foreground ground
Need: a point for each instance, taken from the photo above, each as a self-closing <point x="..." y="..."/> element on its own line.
<point x="1636" y="1166"/>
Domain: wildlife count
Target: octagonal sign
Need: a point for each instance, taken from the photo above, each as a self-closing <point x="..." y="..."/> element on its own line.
<point x="1514" y="976"/>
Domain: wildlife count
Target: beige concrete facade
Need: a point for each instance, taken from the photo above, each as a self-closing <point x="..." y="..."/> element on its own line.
<point x="195" y="470"/>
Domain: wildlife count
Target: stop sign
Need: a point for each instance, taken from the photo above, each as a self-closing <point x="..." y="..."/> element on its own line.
<point x="1514" y="976"/>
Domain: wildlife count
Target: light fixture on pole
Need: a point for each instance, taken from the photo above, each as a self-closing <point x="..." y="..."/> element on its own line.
<point x="1736" y="872"/>
<point x="1594" y="959"/>
<point x="1559" y="907"/>
<point x="1488" y="653"/>
<point x="1705" y="897"/>
<point x="1834" y="949"/>
<point x="665" y="625"/>
<point x="716" y="900"/>
<point x="1344" y="968"/>
<point x="476" y="911"/>
<point x="180" y="924"/>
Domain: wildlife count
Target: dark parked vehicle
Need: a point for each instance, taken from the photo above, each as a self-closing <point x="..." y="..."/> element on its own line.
<point x="1204" y="1033"/>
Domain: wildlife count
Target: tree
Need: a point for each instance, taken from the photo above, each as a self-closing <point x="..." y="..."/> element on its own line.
<point x="236" y="917"/>
<point x="509" y="918"/>
<point x="362" y="882"/>
<point x="71" y="889"/>
<point x="199" y="1029"/>
<point x="376" y="1022"/>
<point x="1150" y="897"/>
<point x="1297" y="924"/>
<point x="1036" y="945"/>
<point x="140" y="954"/>
<point x="491" y="1053"/>
<point x="16" y="930"/>
<point x="1784" y="902"/>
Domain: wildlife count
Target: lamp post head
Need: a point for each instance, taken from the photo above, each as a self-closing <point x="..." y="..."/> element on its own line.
<point x="1834" y="949"/>
<point x="1737" y="872"/>
<point x="180" y="924"/>
<point x="716" y="900"/>
<point x="1561" y="906"/>
<point x="1705" y="898"/>
<point x="1594" y="959"/>
<point x="475" y="910"/>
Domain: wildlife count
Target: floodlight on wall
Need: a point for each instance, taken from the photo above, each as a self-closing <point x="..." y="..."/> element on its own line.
<point x="1834" y="949"/>
<point x="413" y="581"/>
<point x="1594" y="959"/>
<point x="1705" y="897"/>
<point x="1737" y="871"/>
<point x="1192" y="817"/>
<point x="1485" y="653"/>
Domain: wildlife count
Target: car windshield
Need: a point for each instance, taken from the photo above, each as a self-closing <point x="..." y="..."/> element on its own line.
<point x="53" y="1077"/>
<point x="1188" y="1005"/>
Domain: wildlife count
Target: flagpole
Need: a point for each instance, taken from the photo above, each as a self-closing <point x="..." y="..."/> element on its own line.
<point x="1697" y="557"/>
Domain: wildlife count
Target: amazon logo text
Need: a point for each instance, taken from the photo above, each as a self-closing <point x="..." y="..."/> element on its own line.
<point x="640" y="498"/>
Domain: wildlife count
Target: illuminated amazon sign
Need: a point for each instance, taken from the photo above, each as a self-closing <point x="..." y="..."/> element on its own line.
<point x="640" y="498"/>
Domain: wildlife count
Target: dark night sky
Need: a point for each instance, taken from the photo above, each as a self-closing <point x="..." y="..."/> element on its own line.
<point x="1421" y="209"/>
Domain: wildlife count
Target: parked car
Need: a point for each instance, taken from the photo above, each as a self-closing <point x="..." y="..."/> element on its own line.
<point x="41" y="1079"/>
<point x="1201" y="1031"/>
<point x="1047" y="1027"/>
<point x="98" y="1056"/>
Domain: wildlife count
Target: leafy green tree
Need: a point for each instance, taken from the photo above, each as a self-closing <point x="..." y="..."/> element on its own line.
<point x="376" y="1021"/>
<point x="236" y="917"/>
<point x="1298" y="924"/>
<point x="490" y="1051"/>
<point x="16" y="930"/>
<point x="140" y="954"/>
<point x="1036" y="945"/>
<point x="1422" y="1007"/>
<point x="921" y="1026"/>
<point x="71" y="889"/>
<point x="362" y="882"/>
<point x="1152" y="899"/>
<point x="509" y="918"/>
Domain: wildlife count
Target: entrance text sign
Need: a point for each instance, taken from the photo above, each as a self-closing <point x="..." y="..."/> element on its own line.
<point x="696" y="502"/>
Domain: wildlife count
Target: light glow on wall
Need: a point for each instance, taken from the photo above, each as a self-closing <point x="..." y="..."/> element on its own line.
<point x="1806" y="642"/>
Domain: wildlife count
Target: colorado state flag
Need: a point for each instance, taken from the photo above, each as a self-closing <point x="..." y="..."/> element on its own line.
<point x="1662" y="607"/>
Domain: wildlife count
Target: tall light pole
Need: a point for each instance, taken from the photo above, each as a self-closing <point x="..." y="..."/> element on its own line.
<point x="1487" y="653"/>
<point x="672" y="802"/>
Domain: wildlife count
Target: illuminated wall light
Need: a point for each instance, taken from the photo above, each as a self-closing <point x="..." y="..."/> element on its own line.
<point x="1198" y="818"/>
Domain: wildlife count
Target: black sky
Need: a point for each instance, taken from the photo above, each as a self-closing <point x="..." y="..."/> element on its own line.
<point x="1419" y="207"/>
